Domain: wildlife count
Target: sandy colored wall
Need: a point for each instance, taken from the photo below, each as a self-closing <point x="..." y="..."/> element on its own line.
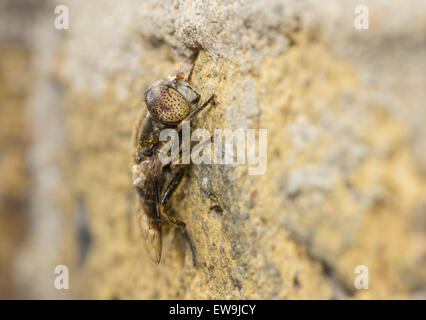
<point x="346" y="173"/>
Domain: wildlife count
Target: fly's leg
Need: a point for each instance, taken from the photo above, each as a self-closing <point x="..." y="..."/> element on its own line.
<point x="195" y="112"/>
<point x="189" y="79"/>
<point x="177" y="222"/>
<point x="172" y="187"/>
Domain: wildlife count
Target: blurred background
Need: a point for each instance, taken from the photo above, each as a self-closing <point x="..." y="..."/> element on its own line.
<point x="340" y="87"/>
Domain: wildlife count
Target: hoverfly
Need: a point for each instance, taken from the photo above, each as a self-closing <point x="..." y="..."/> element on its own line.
<point x="169" y="103"/>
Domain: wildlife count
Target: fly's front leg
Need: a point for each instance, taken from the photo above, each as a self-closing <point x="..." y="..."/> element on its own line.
<point x="179" y="128"/>
<point x="189" y="79"/>
<point x="196" y="111"/>
<point x="174" y="183"/>
<point x="181" y="224"/>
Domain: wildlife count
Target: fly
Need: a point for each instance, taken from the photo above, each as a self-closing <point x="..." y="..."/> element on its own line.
<point x="169" y="103"/>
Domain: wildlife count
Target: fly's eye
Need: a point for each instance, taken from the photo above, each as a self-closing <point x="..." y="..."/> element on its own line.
<point x="166" y="104"/>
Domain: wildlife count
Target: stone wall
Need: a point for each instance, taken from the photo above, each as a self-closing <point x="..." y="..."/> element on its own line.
<point x="346" y="178"/>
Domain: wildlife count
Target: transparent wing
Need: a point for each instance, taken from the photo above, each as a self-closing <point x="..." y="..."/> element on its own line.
<point x="151" y="231"/>
<point x="149" y="220"/>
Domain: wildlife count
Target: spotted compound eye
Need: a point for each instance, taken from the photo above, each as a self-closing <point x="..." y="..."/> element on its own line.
<point x="166" y="104"/>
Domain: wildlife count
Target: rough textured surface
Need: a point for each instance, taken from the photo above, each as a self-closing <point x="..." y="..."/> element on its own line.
<point x="13" y="170"/>
<point x="346" y="177"/>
